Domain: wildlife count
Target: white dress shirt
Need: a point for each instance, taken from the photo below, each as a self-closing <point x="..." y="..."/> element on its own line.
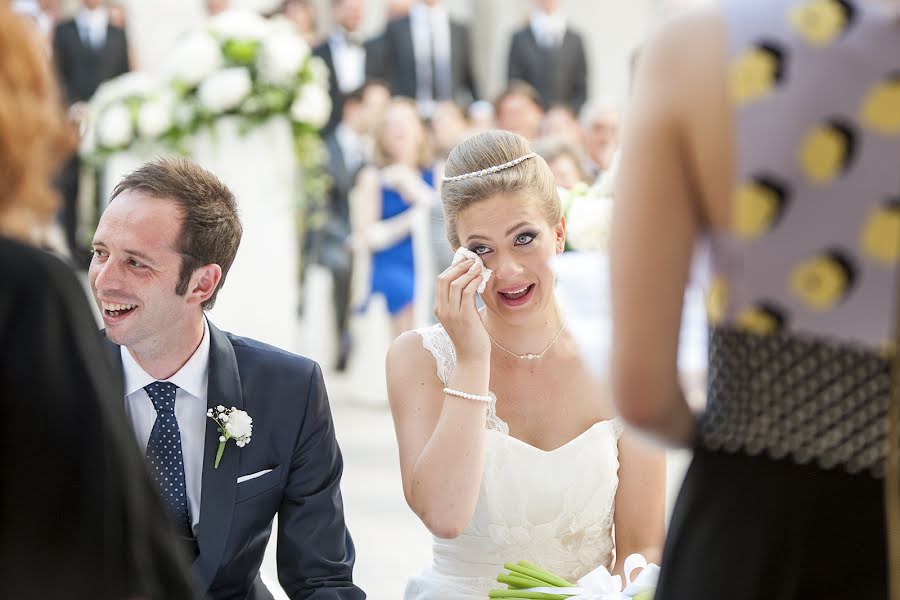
<point x="431" y="46"/>
<point x="92" y="26"/>
<point x="190" y="412"/>
<point x="349" y="61"/>
<point x="549" y="30"/>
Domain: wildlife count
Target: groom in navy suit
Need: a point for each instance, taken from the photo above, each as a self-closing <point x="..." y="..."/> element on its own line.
<point x="161" y="252"/>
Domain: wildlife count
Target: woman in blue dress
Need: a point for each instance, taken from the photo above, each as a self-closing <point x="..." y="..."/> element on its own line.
<point x="388" y="202"/>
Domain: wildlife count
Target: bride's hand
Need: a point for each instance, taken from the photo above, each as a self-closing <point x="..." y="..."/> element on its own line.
<point x="454" y="306"/>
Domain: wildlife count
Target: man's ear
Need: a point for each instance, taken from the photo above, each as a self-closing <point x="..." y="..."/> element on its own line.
<point x="204" y="282"/>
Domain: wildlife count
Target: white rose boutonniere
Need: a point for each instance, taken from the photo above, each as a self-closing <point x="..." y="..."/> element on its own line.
<point x="232" y="424"/>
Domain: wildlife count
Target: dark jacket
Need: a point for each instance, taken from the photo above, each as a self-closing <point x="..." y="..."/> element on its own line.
<point x="558" y="74"/>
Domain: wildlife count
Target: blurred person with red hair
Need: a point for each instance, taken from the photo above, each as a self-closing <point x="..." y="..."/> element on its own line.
<point x="79" y="516"/>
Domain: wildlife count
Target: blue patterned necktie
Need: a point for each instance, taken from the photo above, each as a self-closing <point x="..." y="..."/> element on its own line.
<point x="165" y="457"/>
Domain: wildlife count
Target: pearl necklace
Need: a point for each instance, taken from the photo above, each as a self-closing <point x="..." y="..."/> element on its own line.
<point x="529" y="356"/>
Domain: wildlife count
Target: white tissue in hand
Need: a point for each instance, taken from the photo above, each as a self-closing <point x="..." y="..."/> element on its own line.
<point x="464" y="253"/>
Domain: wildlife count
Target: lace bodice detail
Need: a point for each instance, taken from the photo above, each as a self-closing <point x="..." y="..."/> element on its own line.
<point x="553" y="508"/>
<point x="436" y="340"/>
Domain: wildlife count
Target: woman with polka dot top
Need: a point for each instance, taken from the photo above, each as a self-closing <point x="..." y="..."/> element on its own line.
<point x="771" y="129"/>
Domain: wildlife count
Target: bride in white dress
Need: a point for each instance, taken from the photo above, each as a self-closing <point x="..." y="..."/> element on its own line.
<point x="509" y="450"/>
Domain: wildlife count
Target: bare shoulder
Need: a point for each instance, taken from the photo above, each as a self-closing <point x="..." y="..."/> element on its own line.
<point x="410" y="363"/>
<point x="367" y="178"/>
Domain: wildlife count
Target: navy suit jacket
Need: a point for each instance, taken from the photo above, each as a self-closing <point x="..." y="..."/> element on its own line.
<point x="293" y="435"/>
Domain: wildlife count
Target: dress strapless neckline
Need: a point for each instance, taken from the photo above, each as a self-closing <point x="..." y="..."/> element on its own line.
<point x="572" y="442"/>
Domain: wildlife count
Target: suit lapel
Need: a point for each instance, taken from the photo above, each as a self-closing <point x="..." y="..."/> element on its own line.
<point x="114" y="355"/>
<point x="219" y="485"/>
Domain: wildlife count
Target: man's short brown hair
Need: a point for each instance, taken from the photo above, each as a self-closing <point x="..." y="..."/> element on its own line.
<point x="210" y="228"/>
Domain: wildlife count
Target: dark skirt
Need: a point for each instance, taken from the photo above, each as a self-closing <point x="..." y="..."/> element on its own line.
<point x="749" y="527"/>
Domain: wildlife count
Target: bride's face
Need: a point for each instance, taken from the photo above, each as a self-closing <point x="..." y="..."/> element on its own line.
<point x="514" y="238"/>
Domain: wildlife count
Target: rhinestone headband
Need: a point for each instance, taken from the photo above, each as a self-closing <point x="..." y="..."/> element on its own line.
<point x="490" y="170"/>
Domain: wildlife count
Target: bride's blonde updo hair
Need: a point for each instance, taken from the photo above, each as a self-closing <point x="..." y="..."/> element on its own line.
<point x="530" y="178"/>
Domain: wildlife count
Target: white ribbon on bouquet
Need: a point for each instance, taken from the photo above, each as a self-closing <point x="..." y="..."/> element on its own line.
<point x="599" y="584"/>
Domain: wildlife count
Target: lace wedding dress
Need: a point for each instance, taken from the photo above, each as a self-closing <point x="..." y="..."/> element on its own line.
<point x="552" y="508"/>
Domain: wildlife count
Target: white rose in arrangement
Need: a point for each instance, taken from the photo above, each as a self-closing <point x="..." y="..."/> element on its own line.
<point x="281" y="58"/>
<point x="184" y="114"/>
<point x="239" y="424"/>
<point x="197" y="57"/>
<point x="114" y="127"/>
<point x="225" y="90"/>
<point x="312" y="105"/>
<point x="238" y="25"/>
<point x="128" y="85"/>
<point x="588" y="219"/>
<point x="319" y="70"/>
<point x="155" y="116"/>
<point x="279" y="25"/>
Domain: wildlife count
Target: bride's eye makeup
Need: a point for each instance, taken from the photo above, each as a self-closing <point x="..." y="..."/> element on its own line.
<point x="525" y="238"/>
<point x="479" y="249"/>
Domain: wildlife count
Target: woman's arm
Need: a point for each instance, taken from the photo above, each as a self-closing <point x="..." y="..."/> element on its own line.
<point x="655" y="224"/>
<point x="369" y="229"/>
<point x="440" y="436"/>
<point x="640" y="501"/>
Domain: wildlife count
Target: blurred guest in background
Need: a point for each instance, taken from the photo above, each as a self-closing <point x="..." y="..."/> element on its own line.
<point x="376" y="98"/>
<point x="560" y="121"/>
<point x="375" y="47"/>
<point x="214" y="7"/>
<point x="550" y="57"/>
<point x="390" y="204"/>
<point x="518" y="109"/>
<point x="345" y="55"/>
<point x="117" y="14"/>
<point x="303" y="15"/>
<point x="87" y="51"/>
<point x="448" y="128"/>
<point x="600" y="135"/>
<point x="481" y="116"/>
<point x="564" y="159"/>
<point x="426" y="56"/>
<point x="348" y="152"/>
<point x="79" y="516"/>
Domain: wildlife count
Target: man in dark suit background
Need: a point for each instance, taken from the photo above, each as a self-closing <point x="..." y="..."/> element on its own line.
<point x="550" y="57"/>
<point x="87" y="50"/>
<point x="162" y="249"/>
<point x="348" y="151"/>
<point x="426" y="56"/>
<point x="345" y="54"/>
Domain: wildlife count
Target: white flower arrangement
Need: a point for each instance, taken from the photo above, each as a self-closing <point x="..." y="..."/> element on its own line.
<point x="589" y="212"/>
<point x="233" y="424"/>
<point x="239" y="64"/>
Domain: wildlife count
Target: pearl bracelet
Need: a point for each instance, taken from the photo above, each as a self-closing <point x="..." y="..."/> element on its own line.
<point x="467" y="396"/>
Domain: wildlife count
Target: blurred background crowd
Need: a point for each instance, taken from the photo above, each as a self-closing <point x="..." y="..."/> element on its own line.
<point x="408" y="79"/>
